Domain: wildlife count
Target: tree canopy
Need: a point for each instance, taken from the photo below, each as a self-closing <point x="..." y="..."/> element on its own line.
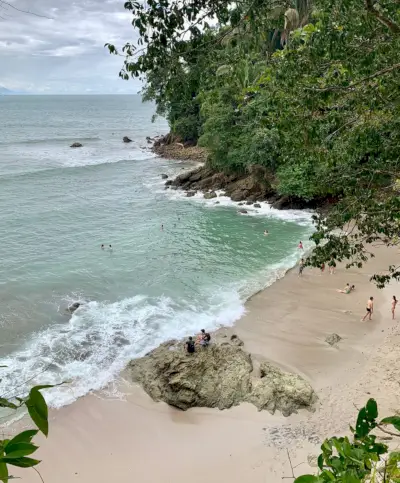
<point x="309" y="91"/>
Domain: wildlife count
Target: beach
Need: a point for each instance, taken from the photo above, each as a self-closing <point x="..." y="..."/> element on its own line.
<point x="131" y="438"/>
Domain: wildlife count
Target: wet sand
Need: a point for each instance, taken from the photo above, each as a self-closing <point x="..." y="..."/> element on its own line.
<point x="99" y="439"/>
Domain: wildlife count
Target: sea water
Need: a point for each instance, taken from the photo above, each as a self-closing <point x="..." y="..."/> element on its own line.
<point x="58" y="205"/>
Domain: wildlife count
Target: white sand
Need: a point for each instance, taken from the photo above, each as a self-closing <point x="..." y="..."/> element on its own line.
<point x="137" y="440"/>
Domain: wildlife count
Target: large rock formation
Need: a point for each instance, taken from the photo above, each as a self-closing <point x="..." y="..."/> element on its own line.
<point x="219" y="376"/>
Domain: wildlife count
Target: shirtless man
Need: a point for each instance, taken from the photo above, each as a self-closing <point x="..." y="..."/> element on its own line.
<point x="370" y="309"/>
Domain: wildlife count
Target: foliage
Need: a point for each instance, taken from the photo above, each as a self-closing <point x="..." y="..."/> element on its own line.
<point x="308" y="91"/>
<point x="17" y="451"/>
<point x="361" y="459"/>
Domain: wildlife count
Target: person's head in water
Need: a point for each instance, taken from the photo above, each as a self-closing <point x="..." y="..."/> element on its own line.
<point x="110" y="246"/>
<point x="102" y="247"/>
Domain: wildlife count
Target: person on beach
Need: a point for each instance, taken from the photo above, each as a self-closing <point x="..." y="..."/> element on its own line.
<point x="300" y="245"/>
<point x="301" y="267"/>
<point x="332" y="266"/>
<point x="394" y="303"/>
<point x="189" y="345"/>
<point x="347" y="289"/>
<point x="370" y="309"/>
<point x="323" y="268"/>
<point x="204" y="338"/>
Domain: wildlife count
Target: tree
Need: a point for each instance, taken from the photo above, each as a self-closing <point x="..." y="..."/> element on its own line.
<point x="362" y="458"/>
<point x="308" y="92"/>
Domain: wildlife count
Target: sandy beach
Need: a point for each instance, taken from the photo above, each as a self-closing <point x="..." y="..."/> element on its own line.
<point x="100" y="439"/>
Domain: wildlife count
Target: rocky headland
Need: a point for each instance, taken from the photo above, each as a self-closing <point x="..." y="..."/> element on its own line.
<point x="220" y="376"/>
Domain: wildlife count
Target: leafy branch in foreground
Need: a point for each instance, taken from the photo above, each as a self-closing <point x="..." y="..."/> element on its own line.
<point x="17" y="451"/>
<point x="362" y="458"/>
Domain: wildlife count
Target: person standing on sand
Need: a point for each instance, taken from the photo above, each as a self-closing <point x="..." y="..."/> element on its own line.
<point x="322" y="268"/>
<point x="370" y="309"/>
<point x="332" y="266"/>
<point x="394" y="303"/>
<point x="301" y="267"/>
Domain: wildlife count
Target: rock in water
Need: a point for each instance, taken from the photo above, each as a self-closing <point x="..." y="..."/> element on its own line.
<point x="209" y="196"/>
<point x="165" y="176"/>
<point x="76" y="145"/>
<point x="71" y="308"/>
<point x="333" y="339"/>
<point x="219" y="376"/>
<point x="126" y="139"/>
<point x="257" y="205"/>
<point x="242" y="210"/>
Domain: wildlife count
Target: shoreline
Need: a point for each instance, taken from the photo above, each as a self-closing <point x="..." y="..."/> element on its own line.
<point x="285" y="323"/>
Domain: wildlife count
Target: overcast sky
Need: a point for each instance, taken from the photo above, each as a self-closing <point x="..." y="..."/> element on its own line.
<point x="66" y="54"/>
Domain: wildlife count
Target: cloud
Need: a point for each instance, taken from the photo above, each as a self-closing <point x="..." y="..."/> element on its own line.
<point x="63" y="53"/>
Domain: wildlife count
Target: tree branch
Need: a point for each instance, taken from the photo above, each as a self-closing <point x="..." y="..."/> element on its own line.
<point x="393" y="27"/>
<point x="354" y="84"/>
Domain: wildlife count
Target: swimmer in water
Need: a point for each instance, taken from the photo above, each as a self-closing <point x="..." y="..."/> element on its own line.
<point x="110" y="248"/>
<point x="102" y="247"/>
<point x="266" y="233"/>
<point x="300" y="246"/>
<point x="162" y="227"/>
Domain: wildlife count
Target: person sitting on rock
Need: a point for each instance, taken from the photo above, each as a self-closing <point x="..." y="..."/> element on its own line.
<point x="189" y="345"/>
<point x="204" y="338"/>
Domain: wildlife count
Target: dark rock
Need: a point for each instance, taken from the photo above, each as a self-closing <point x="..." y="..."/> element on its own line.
<point x="240" y="204"/>
<point x="235" y="340"/>
<point x="242" y="210"/>
<point x="333" y="339"/>
<point x="168" y="183"/>
<point x="126" y="139"/>
<point x="189" y="194"/>
<point x="248" y="203"/>
<point x="76" y="145"/>
<point x="164" y="176"/>
<point x="257" y="205"/>
<point x="74" y="306"/>
<point x="217" y="202"/>
<point x="239" y="195"/>
<point x="209" y="196"/>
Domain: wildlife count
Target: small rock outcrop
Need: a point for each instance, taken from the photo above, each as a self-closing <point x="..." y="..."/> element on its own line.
<point x="333" y="339"/>
<point x="126" y="139"/>
<point x="257" y="205"/>
<point x="218" y="376"/>
<point x="164" y="176"/>
<point x="211" y="195"/>
<point x="76" y="145"/>
<point x="243" y="211"/>
<point x="74" y="306"/>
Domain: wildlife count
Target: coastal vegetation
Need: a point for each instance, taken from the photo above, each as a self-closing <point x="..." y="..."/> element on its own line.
<point x="305" y="91"/>
<point x="364" y="457"/>
<point x="17" y="450"/>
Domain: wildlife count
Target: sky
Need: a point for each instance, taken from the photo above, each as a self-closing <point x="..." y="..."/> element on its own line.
<point x="64" y="54"/>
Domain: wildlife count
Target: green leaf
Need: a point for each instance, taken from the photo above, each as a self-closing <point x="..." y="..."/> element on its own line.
<point x="307" y="479"/>
<point x="37" y="409"/>
<point x="3" y="472"/>
<point x="371" y="409"/>
<point x="395" y="420"/>
<point x="18" y="450"/>
<point x="5" y="403"/>
<point x="24" y="437"/>
<point x="20" y="462"/>
<point x="321" y="461"/>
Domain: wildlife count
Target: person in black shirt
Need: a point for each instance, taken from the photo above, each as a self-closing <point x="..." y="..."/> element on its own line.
<point x="189" y="345"/>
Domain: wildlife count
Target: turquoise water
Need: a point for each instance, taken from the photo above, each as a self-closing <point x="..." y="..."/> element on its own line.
<point x="58" y="205"/>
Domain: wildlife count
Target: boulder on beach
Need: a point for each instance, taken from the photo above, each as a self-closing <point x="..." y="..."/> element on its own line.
<point x="164" y="176"/>
<point x="218" y="376"/>
<point x="126" y="139"/>
<point x="76" y="145"/>
<point x="333" y="339"/>
<point x="209" y="196"/>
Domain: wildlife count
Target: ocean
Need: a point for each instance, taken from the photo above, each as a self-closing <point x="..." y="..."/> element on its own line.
<point x="58" y="205"/>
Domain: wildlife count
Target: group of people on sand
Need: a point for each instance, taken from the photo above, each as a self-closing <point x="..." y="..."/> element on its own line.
<point x="203" y="340"/>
